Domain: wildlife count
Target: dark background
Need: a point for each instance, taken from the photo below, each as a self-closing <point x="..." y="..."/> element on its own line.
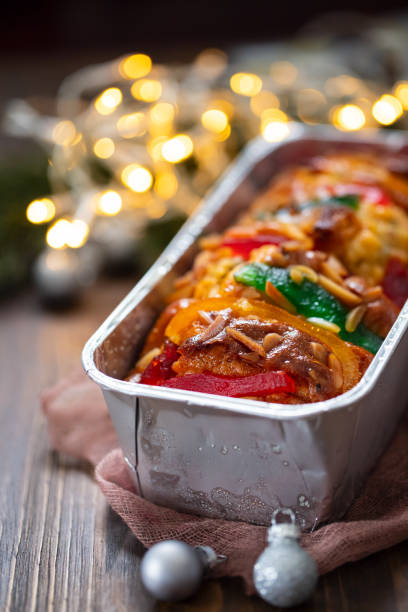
<point x="41" y="42"/>
<point x="106" y="25"/>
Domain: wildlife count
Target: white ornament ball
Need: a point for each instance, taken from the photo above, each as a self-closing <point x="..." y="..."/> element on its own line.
<point x="171" y="570"/>
<point x="285" y="575"/>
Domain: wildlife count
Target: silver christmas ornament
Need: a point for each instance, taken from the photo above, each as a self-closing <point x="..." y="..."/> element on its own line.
<point x="172" y="570"/>
<point x="285" y="574"/>
<point x="57" y="274"/>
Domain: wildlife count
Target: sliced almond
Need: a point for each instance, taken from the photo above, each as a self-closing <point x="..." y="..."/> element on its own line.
<point x="271" y="340"/>
<point x="212" y="330"/>
<point x="245" y="340"/>
<point x="337" y="371"/>
<point x="205" y="317"/>
<point x="319" y="352"/>
<point x="336" y="265"/>
<point x="146" y="359"/>
<point x="324" y="324"/>
<point x="345" y="295"/>
<point x="355" y="317"/>
<point x="330" y="269"/>
<point x="278" y="298"/>
<point x="305" y="271"/>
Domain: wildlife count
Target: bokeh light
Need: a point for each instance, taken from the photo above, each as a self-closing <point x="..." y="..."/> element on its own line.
<point x="58" y="234"/>
<point x="245" y="83"/>
<point x="107" y="102"/>
<point x="177" y="148"/>
<point x="349" y="117"/>
<point x="147" y="90"/>
<point x="64" y="133"/>
<point x="262" y="101"/>
<point x="342" y="85"/>
<point x="387" y="109"/>
<point x="283" y="73"/>
<point x="77" y="234"/>
<point x="109" y="203"/>
<point x="40" y="211"/>
<point x="137" y="178"/>
<point x="156" y="209"/>
<point x="214" y="120"/>
<point x="135" y="66"/>
<point x="166" y="185"/>
<point x="104" y="148"/>
<point x="210" y="63"/>
<point x="162" y="113"/>
<point x="401" y="92"/>
<point x="275" y="131"/>
<point x="132" y="125"/>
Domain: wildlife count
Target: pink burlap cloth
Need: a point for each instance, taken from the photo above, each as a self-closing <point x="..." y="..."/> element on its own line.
<point x="79" y="425"/>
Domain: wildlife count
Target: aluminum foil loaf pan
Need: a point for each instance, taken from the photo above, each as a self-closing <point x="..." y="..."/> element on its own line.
<point x="240" y="459"/>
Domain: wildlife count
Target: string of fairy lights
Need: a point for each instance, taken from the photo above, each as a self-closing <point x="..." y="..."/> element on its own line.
<point x="162" y="134"/>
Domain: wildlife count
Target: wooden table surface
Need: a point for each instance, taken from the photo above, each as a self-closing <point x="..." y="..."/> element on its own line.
<point x="61" y="547"/>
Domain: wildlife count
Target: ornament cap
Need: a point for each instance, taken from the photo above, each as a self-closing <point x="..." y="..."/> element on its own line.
<point x="209" y="557"/>
<point x="283" y="530"/>
<point x="283" y="525"/>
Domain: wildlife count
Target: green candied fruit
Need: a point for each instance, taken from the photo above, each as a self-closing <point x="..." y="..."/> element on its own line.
<point x="310" y="300"/>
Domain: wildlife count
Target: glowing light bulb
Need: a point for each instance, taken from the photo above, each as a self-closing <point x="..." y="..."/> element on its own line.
<point x="104" y="148"/>
<point x="137" y="178"/>
<point x="401" y="92"/>
<point x="135" y="66"/>
<point x="349" y="117"/>
<point x="387" y="109"/>
<point x="177" y="149"/>
<point x="214" y="120"/>
<point x="108" y="101"/>
<point x="147" y="90"/>
<point x="109" y="203"/>
<point x="77" y="234"/>
<point x="40" y="211"/>
<point x="58" y="234"/>
<point x="245" y="83"/>
<point x="64" y="133"/>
